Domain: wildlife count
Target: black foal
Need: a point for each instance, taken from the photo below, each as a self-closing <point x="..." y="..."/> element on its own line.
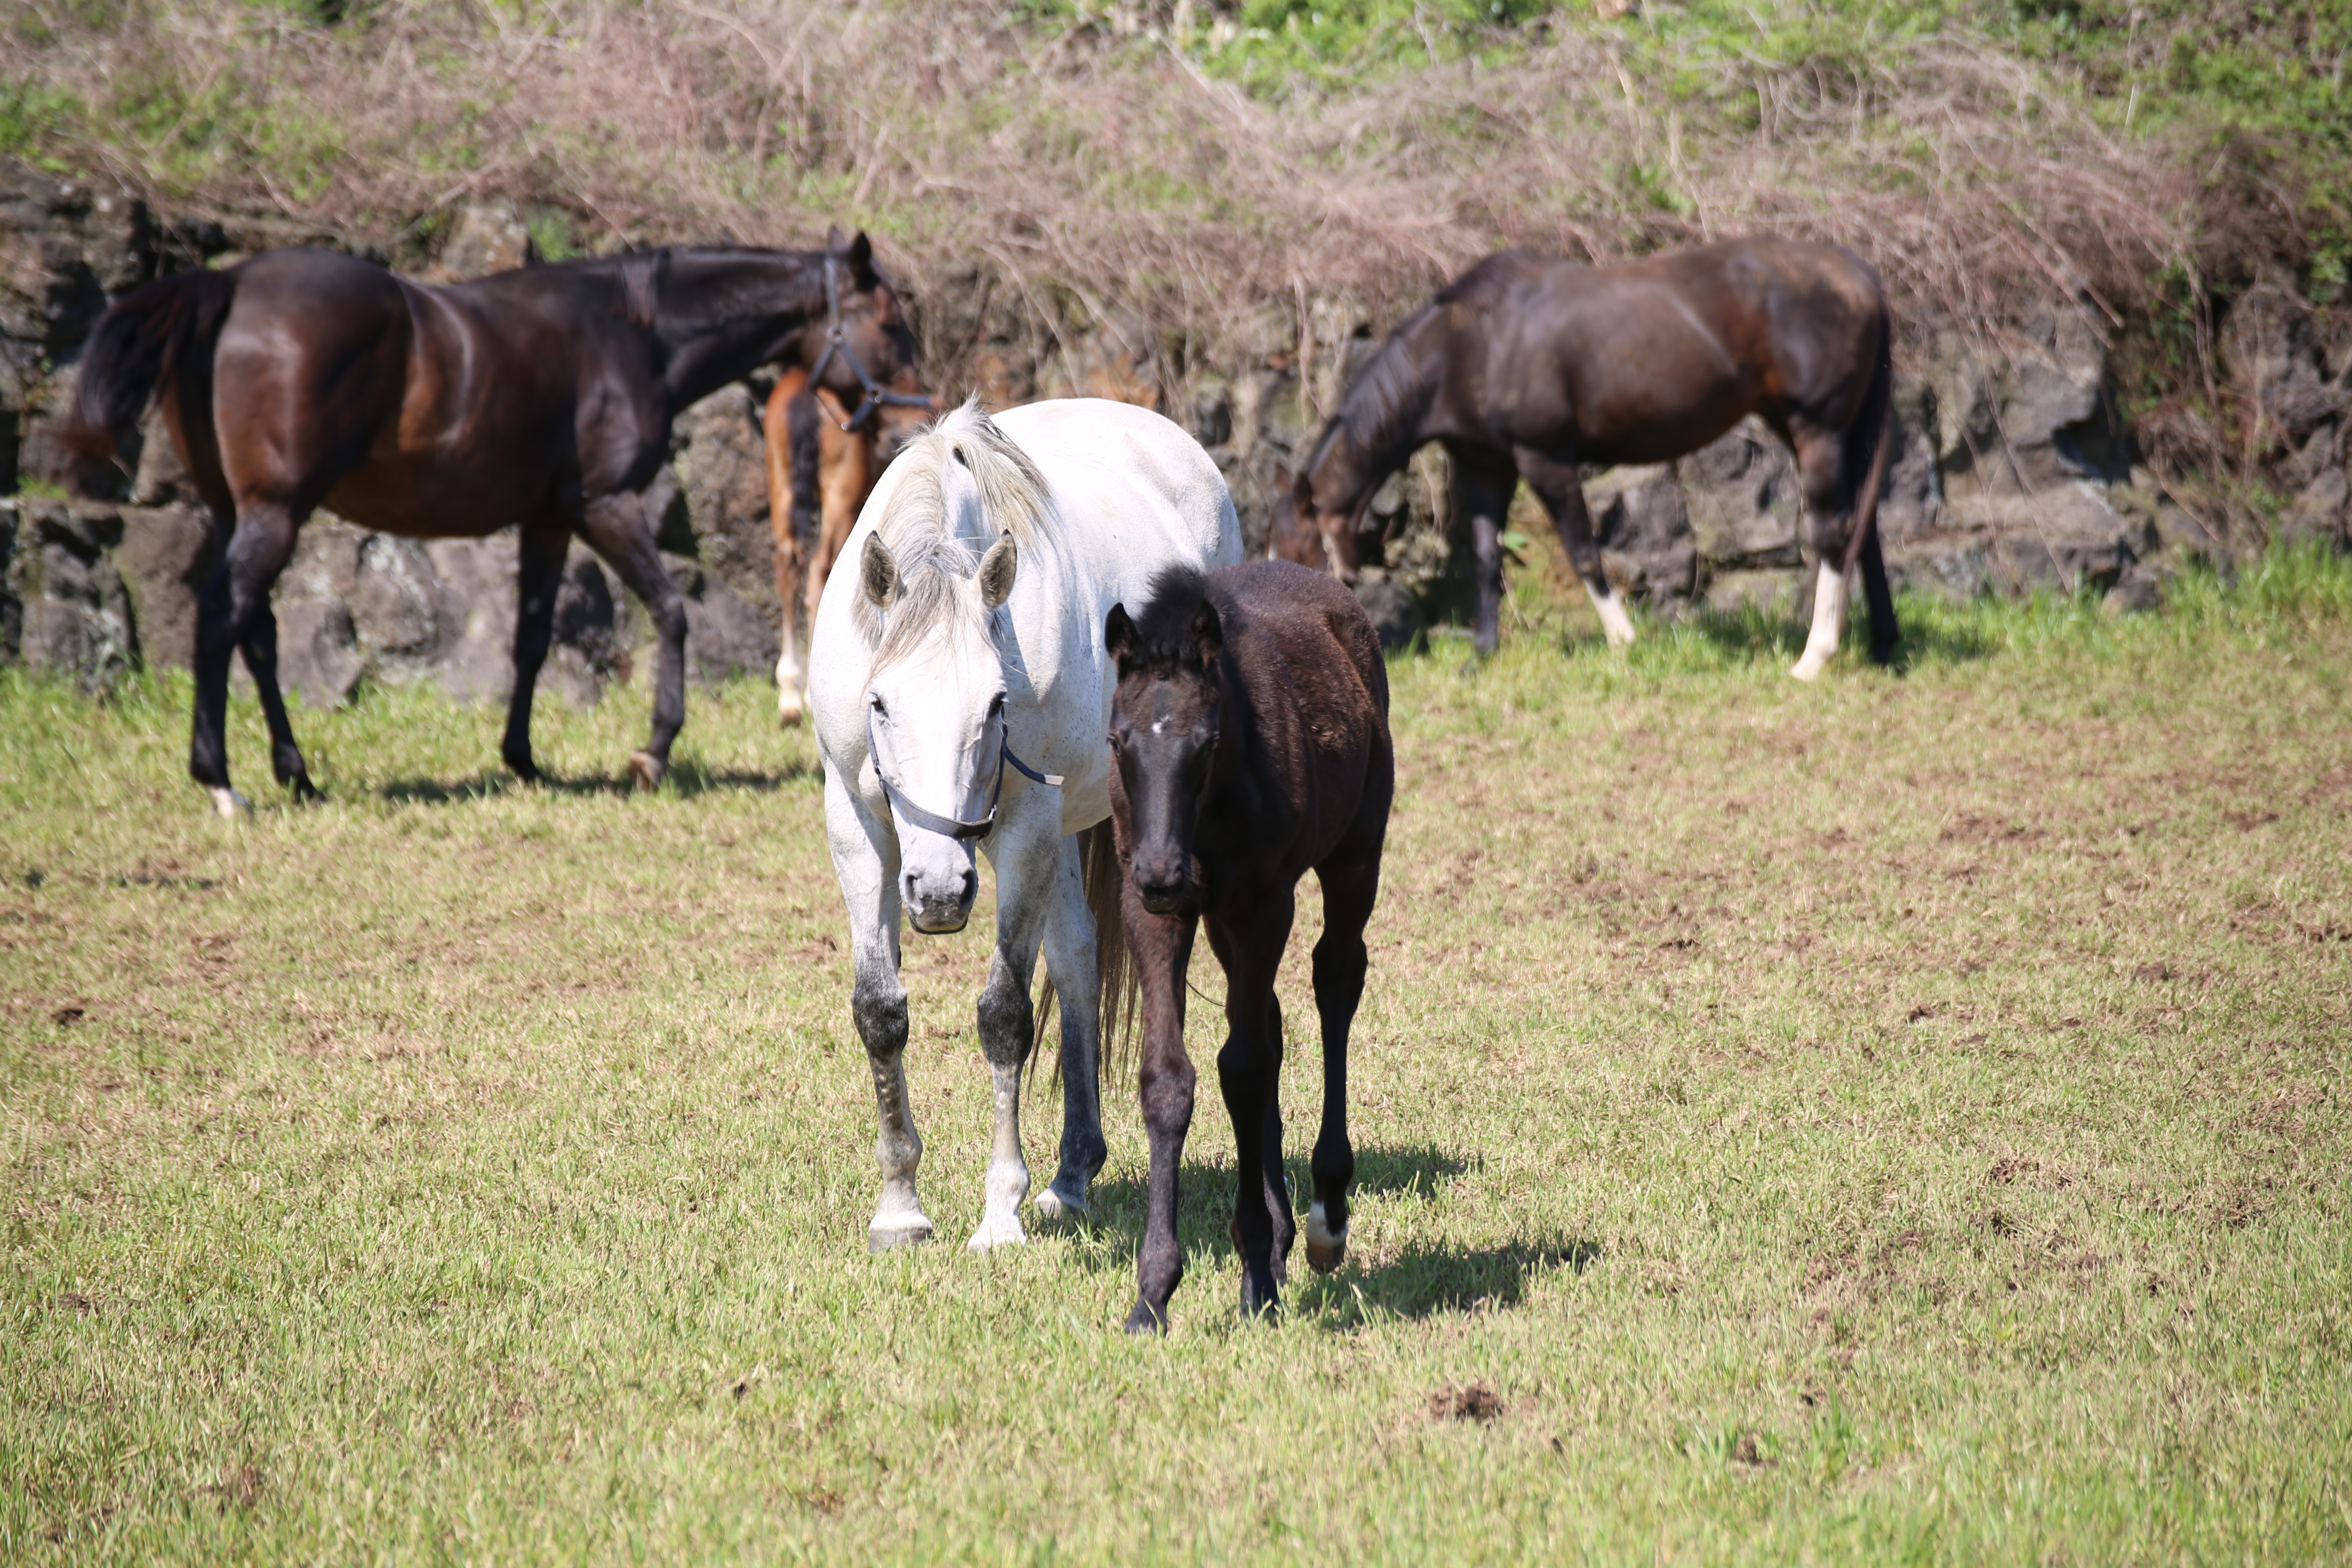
<point x="1251" y="733"/>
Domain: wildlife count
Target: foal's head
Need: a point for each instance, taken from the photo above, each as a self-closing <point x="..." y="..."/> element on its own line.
<point x="1166" y="719"/>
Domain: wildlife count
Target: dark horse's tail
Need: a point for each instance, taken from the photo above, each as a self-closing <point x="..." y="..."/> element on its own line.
<point x="137" y="347"/>
<point x="1104" y="882"/>
<point x="1876" y="422"/>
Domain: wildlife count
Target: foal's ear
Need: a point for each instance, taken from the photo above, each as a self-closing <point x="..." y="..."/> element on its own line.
<point x="996" y="569"/>
<point x="1208" y="631"/>
<point x="861" y="260"/>
<point x="878" y="573"/>
<point x="1118" y="633"/>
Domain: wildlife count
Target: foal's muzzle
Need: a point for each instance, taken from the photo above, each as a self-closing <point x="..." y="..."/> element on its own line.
<point x="1164" y="880"/>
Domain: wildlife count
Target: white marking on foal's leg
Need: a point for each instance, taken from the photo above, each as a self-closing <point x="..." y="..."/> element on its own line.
<point x="1615" y="623"/>
<point x="1008" y="1174"/>
<point x="1829" y="624"/>
<point x="1325" y="1247"/>
<point x="227" y="803"/>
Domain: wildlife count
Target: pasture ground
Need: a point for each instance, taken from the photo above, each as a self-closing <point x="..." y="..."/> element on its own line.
<point x="1901" y="1119"/>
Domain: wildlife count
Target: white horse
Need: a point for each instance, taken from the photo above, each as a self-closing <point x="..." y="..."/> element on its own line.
<point x="970" y="639"/>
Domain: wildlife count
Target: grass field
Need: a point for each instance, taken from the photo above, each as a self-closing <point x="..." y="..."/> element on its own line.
<point x="1905" y="1119"/>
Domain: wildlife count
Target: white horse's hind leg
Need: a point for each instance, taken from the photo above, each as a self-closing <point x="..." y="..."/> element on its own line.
<point x="1006" y="1019"/>
<point x="1072" y="959"/>
<point x="1615" y="623"/>
<point x="1829" y="624"/>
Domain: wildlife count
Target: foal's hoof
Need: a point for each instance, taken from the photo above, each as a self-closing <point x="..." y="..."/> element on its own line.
<point x="1326" y="1249"/>
<point x="1057" y="1203"/>
<point x="228" y="804"/>
<point x="898" y="1233"/>
<point x="646" y="768"/>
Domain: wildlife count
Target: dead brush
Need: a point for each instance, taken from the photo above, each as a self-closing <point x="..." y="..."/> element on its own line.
<point x="1103" y="176"/>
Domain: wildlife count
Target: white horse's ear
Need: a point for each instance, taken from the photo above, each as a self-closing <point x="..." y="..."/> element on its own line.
<point x="996" y="569"/>
<point x="880" y="573"/>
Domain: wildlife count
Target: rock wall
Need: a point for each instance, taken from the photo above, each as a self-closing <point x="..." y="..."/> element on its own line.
<point x="2012" y="469"/>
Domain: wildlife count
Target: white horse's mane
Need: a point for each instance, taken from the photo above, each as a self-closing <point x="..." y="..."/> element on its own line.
<point x="920" y="528"/>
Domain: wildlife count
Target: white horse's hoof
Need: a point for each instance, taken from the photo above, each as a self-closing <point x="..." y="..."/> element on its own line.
<point x="1002" y="1231"/>
<point x="1054" y="1204"/>
<point x="228" y="803"/>
<point x="901" y="1230"/>
<point x="1809" y="666"/>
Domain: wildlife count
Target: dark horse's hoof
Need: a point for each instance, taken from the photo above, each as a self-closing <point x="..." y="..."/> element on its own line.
<point x="646" y="768"/>
<point x="304" y="791"/>
<point x="1144" y="1320"/>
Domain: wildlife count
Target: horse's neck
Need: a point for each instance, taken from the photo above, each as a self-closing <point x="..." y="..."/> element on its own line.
<point x="1384" y="427"/>
<point x="704" y="355"/>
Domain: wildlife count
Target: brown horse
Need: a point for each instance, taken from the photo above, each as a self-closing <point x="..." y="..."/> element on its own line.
<point x="1527" y="367"/>
<point x="822" y="462"/>
<point x="542" y="398"/>
<point x="1251" y="737"/>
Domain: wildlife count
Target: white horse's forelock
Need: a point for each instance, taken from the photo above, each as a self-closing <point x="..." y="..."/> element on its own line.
<point x="931" y="552"/>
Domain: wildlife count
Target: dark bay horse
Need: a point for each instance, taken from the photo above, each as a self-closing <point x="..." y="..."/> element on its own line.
<point x="1251" y="736"/>
<point x="542" y="398"/>
<point x="1529" y="368"/>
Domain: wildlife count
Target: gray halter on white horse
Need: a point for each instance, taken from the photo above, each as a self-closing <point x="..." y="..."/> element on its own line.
<point x="961" y="696"/>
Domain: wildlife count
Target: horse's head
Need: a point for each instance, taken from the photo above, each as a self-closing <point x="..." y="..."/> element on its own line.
<point x="937" y="725"/>
<point x="1312" y="531"/>
<point x="1166" y="718"/>
<point x="859" y="347"/>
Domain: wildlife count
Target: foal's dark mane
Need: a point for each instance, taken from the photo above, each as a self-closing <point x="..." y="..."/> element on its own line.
<point x="1163" y="625"/>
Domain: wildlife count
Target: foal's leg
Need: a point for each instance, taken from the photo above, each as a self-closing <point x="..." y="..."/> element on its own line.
<point x="1829" y="505"/>
<point x="1558" y="487"/>
<point x="1274" y="1181"/>
<point x="1025" y="885"/>
<point x="1351" y="880"/>
<point x="539" y="576"/>
<point x="1073" y="964"/>
<point x="1161" y="946"/>
<point x="615" y="529"/>
<point x="260" y="646"/>
<point x="258" y="552"/>
<point x="865" y="861"/>
<point x="1481" y="493"/>
<point x="1251" y="950"/>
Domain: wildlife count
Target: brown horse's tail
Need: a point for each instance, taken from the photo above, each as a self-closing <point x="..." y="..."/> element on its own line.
<point x="1099" y="852"/>
<point x="1876" y="424"/>
<point x="137" y="346"/>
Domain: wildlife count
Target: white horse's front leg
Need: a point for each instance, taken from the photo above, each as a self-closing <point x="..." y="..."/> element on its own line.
<point x="1026" y="863"/>
<point x="1072" y="961"/>
<point x="865" y="861"/>
<point x="1829" y="624"/>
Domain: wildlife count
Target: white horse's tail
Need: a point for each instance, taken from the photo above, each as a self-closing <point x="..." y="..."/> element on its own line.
<point x="1098" y="850"/>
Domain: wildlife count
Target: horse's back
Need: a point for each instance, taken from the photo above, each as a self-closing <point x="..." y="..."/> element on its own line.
<point x="1132" y="484"/>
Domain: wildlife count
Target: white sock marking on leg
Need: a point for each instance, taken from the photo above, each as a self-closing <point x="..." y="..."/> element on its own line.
<point x="1829" y="624"/>
<point x="1616" y="625"/>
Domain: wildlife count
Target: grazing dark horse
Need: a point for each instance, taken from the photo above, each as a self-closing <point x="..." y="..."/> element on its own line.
<point x="542" y="398"/>
<point x="1529" y="367"/>
<point x="1250" y="729"/>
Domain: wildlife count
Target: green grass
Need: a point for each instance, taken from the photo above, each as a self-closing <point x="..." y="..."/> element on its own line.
<point x="1904" y="1119"/>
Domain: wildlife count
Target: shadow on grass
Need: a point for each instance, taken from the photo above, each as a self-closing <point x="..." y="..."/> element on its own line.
<point x="688" y="779"/>
<point x="1420" y="1281"/>
<point x="1776" y="631"/>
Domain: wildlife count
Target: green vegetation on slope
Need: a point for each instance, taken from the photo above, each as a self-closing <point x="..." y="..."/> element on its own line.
<point x="1900" y="1120"/>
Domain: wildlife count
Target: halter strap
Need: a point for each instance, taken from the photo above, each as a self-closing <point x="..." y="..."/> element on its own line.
<point x="837" y="342"/>
<point x="948" y="826"/>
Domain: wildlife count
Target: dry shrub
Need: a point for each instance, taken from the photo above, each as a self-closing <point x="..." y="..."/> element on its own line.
<point x="1105" y="176"/>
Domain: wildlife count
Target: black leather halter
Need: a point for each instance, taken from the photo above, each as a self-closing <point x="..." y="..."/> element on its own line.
<point x="837" y="342"/>
<point x="948" y="826"/>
